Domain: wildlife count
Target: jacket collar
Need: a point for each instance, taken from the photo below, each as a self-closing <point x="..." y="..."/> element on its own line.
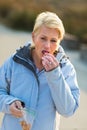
<point x="23" y="56"/>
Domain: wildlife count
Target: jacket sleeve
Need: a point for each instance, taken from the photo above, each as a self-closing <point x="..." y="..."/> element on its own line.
<point x="64" y="88"/>
<point x="5" y="80"/>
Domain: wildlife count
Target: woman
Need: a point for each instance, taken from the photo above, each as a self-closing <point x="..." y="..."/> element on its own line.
<point x="39" y="81"/>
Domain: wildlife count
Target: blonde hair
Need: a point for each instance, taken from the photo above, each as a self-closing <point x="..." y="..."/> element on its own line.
<point x="51" y="20"/>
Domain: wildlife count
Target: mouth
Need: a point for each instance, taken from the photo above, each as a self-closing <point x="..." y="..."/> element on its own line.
<point x="44" y="51"/>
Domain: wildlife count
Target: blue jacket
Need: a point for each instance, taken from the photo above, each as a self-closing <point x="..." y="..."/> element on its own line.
<point x="43" y="92"/>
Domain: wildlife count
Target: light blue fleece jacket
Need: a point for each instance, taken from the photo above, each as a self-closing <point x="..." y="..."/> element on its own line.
<point x="57" y="91"/>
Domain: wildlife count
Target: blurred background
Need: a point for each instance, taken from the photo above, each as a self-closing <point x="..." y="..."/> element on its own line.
<point x="20" y="14"/>
<point x="16" y="23"/>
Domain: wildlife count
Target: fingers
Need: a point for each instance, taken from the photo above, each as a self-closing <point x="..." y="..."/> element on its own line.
<point x="49" y="62"/>
<point x="18" y="104"/>
<point x="15" y="109"/>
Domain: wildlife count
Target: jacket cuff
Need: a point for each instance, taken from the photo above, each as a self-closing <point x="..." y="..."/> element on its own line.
<point x="6" y="108"/>
<point x="54" y="74"/>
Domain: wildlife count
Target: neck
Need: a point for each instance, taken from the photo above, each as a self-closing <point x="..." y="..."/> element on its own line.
<point x="37" y="60"/>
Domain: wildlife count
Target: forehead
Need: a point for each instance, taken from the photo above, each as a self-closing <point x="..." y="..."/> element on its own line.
<point x="43" y="30"/>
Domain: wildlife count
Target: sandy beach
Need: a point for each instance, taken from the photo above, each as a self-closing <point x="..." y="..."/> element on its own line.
<point x="11" y="40"/>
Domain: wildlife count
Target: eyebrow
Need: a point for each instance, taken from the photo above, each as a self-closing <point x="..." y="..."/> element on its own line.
<point x="51" y="38"/>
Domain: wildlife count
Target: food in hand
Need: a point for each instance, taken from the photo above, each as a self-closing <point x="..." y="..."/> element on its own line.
<point x="25" y="126"/>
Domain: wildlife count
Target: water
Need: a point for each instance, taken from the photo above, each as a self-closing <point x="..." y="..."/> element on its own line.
<point x="6" y="30"/>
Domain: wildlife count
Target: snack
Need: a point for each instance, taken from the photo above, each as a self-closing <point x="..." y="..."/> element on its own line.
<point x="27" y="120"/>
<point x="25" y="126"/>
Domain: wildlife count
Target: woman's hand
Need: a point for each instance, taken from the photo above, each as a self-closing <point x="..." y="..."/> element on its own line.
<point x="15" y="109"/>
<point x="49" y="61"/>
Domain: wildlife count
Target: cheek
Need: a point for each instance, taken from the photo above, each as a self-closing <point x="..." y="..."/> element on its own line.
<point x="54" y="47"/>
<point x="38" y="45"/>
<point x="37" y="41"/>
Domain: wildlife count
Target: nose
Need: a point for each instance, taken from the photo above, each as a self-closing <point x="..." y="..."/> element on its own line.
<point x="47" y="45"/>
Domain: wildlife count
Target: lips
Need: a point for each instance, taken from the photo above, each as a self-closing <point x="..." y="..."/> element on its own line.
<point x="45" y="51"/>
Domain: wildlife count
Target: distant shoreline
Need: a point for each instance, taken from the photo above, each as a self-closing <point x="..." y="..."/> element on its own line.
<point x="5" y="29"/>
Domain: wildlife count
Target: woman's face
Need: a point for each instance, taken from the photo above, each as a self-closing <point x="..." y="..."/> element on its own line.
<point x="46" y="40"/>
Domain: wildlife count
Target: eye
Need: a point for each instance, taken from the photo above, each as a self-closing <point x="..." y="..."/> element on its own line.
<point x="53" y="41"/>
<point x="43" y="38"/>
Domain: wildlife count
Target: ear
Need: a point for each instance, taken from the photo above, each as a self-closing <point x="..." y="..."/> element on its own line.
<point x="33" y="37"/>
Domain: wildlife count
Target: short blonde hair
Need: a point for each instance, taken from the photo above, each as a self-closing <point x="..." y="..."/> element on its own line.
<point x="51" y="20"/>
